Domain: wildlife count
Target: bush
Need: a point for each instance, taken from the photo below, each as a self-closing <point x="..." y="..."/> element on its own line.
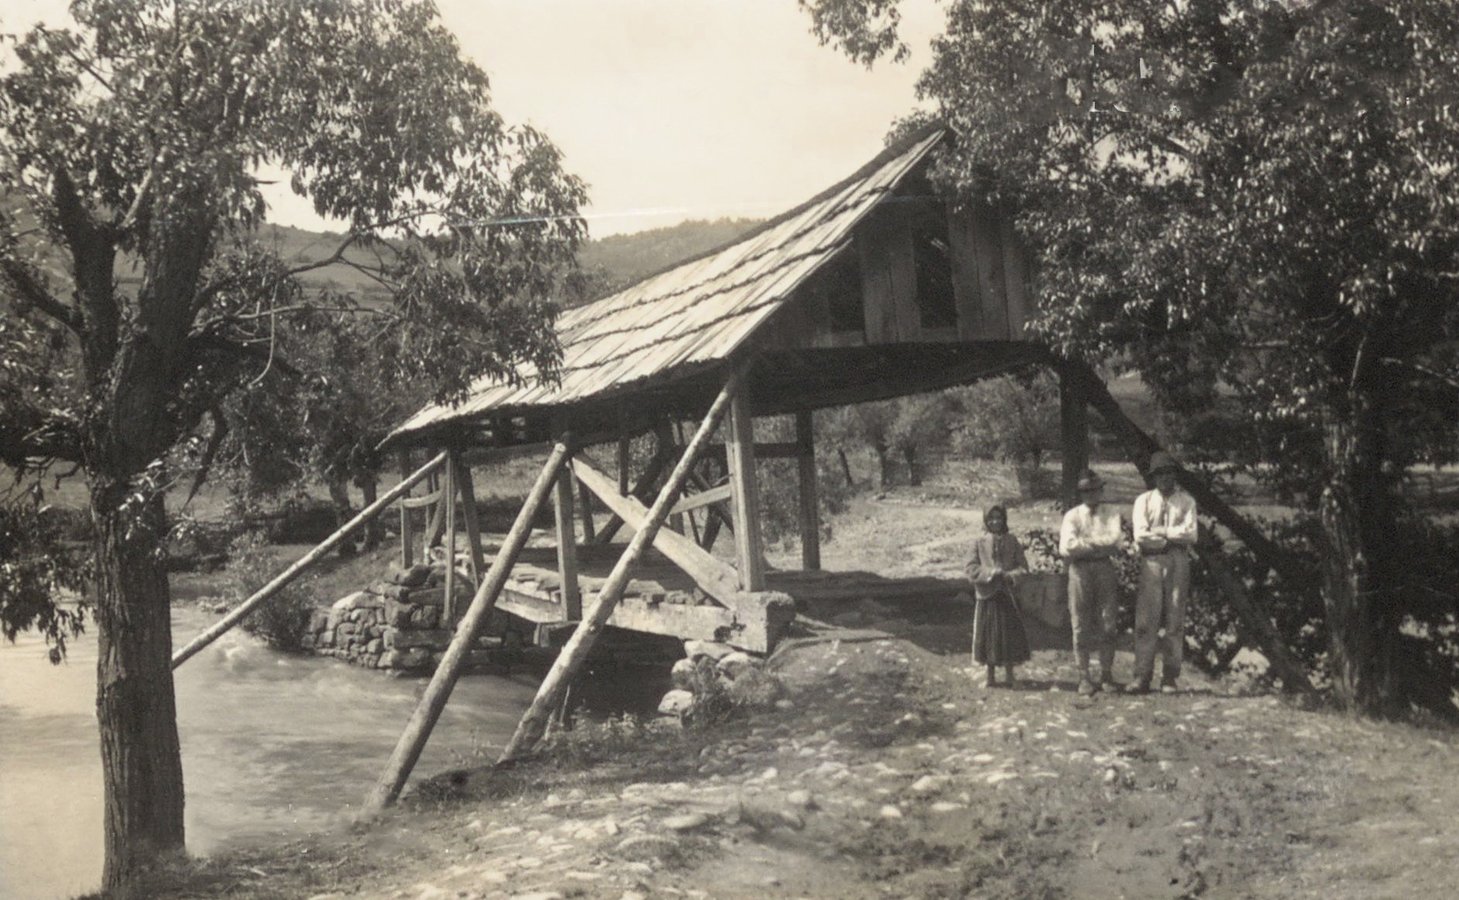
<point x="282" y="621"/>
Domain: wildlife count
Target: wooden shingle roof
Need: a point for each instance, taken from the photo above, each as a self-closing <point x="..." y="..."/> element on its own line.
<point x="694" y="313"/>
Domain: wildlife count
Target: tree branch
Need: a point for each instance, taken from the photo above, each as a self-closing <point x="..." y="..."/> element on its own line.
<point x="28" y="434"/>
<point x="34" y="293"/>
<point x="220" y="344"/>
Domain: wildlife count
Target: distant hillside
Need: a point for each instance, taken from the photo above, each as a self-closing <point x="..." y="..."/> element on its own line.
<point x="622" y="259"/>
<point x="611" y="262"/>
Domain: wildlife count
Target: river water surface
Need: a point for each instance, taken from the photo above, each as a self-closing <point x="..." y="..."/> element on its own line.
<point x="273" y="746"/>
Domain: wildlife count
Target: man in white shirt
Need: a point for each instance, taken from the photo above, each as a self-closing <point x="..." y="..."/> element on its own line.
<point x="1089" y="535"/>
<point x="1165" y="531"/>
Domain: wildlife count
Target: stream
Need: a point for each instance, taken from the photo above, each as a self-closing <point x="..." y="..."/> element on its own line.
<point x="274" y="746"/>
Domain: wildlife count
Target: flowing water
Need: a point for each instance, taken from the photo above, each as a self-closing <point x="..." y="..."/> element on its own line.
<point x="273" y="746"/>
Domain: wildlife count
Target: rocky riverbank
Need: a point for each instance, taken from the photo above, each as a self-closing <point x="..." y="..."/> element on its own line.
<point x="876" y="768"/>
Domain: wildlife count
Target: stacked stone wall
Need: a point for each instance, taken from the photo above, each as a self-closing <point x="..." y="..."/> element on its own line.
<point x="397" y="623"/>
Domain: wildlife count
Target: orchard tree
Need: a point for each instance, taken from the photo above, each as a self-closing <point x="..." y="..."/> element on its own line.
<point x="137" y="299"/>
<point x="1257" y="194"/>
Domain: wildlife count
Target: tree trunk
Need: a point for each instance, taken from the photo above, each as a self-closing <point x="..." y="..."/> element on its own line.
<point x="914" y="469"/>
<point x="845" y="467"/>
<point x="339" y="495"/>
<point x="884" y="461"/>
<point x="1357" y="522"/>
<point x="375" y="530"/>
<point x="135" y="704"/>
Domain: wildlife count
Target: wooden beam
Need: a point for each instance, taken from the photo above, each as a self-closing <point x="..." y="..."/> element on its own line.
<point x="1015" y="275"/>
<point x="423" y="720"/>
<point x="748" y="546"/>
<point x="260" y="596"/>
<point x="712" y="576"/>
<point x="473" y="520"/>
<point x="703" y="498"/>
<point x="655" y="468"/>
<point x="437" y="519"/>
<point x="425" y="501"/>
<point x="567" y="548"/>
<point x="810" y="504"/>
<point x="407" y="549"/>
<point x="589" y="530"/>
<point x="448" y="544"/>
<point x="565" y="667"/>
<point x="1073" y="437"/>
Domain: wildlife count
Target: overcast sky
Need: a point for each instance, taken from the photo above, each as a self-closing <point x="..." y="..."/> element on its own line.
<point x="670" y="109"/>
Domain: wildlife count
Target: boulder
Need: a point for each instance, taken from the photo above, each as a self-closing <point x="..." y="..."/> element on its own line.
<point x="318" y="620"/>
<point x="682" y="674"/>
<point x="676" y="703"/>
<point x="351" y="601"/>
<point x="415" y="576"/>
<point x="397" y="614"/>
<point x="431" y="638"/>
<point x="425" y="617"/>
<point x="715" y="651"/>
<point x="387" y="591"/>
<point x="733" y="665"/>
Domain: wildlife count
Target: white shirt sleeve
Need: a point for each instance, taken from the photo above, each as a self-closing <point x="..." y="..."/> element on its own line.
<point x="1182" y="528"/>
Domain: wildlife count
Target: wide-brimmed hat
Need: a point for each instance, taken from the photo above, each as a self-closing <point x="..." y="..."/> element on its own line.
<point x="1090" y="482"/>
<point x="1160" y="461"/>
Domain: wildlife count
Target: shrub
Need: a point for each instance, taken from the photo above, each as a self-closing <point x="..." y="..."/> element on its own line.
<point x="280" y="622"/>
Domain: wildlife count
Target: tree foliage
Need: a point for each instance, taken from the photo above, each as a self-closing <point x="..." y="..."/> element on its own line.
<point x="1261" y="196"/>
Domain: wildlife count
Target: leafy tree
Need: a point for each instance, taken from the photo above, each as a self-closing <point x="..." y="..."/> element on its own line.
<point x="1013" y="418"/>
<point x="137" y="299"/>
<point x="1252" y="194"/>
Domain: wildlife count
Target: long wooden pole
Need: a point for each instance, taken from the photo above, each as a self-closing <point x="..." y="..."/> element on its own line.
<point x="449" y="608"/>
<point x="749" y="546"/>
<point x="564" y="669"/>
<point x="810" y="504"/>
<point x="407" y="549"/>
<point x="470" y="515"/>
<point x="423" y="720"/>
<point x="567" y="548"/>
<point x="241" y="612"/>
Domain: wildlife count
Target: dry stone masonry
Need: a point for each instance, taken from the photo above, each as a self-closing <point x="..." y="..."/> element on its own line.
<point x="396" y="623"/>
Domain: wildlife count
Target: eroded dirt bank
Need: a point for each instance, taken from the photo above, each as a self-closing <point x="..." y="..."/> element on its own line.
<point x="885" y="771"/>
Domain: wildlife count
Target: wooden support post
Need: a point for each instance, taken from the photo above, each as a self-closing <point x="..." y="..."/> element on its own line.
<point x="810" y="503"/>
<point x="623" y="460"/>
<point x="448" y="497"/>
<point x="741" y="433"/>
<point x="570" y="659"/>
<point x="423" y="720"/>
<point x="656" y="465"/>
<point x="241" y="612"/>
<point x="1073" y="437"/>
<point x="437" y="517"/>
<point x="586" y="498"/>
<point x="669" y="434"/>
<point x="567" y="548"/>
<point x="472" y="516"/>
<point x="407" y="548"/>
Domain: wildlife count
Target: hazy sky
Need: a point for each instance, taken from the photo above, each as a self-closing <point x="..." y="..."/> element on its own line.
<point x="670" y="109"/>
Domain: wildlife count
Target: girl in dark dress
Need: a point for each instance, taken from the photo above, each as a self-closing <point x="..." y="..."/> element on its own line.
<point x="998" y="635"/>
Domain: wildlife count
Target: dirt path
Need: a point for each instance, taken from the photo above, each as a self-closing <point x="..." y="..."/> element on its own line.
<point x="885" y="772"/>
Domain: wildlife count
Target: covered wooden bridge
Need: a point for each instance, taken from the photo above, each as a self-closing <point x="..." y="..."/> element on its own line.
<point x="876" y="288"/>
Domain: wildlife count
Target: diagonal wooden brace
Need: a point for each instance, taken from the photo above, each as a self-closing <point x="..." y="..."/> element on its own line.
<point x="423" y="720"/>
<point x="564" y="669"/>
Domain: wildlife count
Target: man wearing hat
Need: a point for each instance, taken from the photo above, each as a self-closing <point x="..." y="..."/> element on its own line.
<point x="1165" y="531"/>
<point x="1089" y="535"/>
